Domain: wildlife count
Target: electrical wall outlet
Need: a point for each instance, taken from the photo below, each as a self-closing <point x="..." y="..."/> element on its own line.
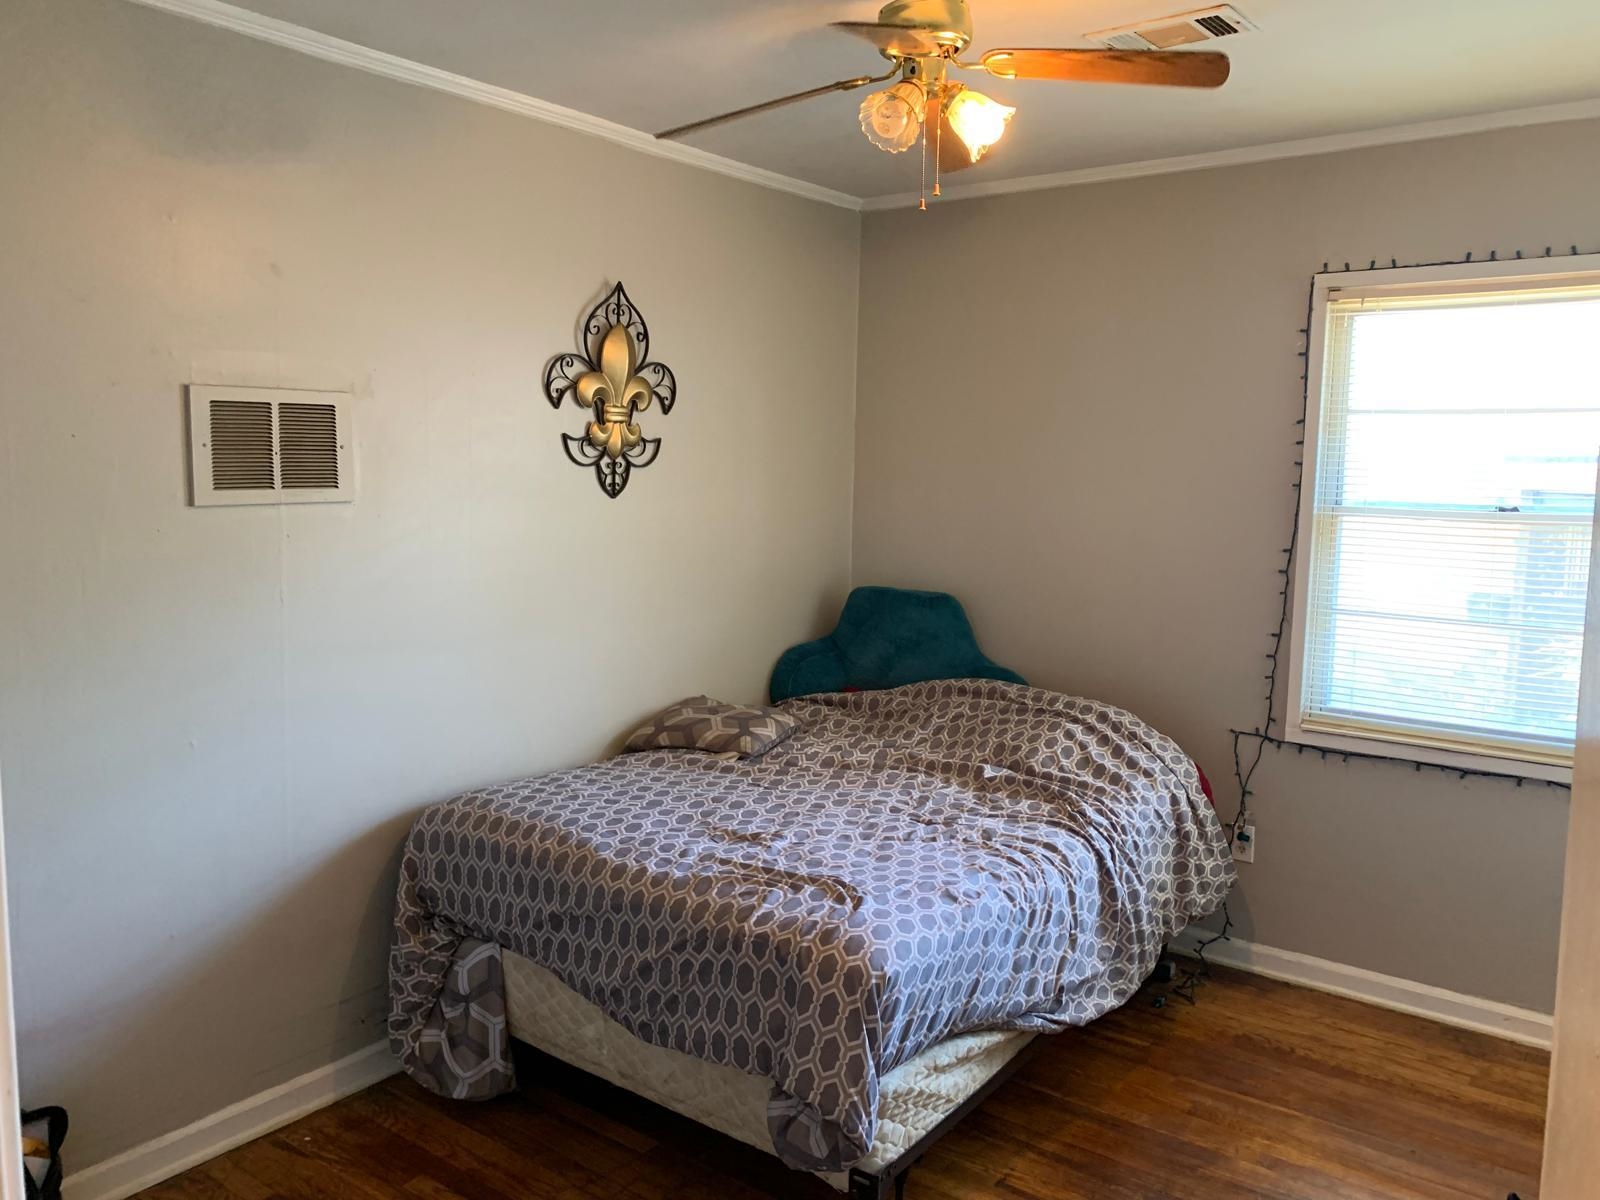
<point x="1244" y="844"/>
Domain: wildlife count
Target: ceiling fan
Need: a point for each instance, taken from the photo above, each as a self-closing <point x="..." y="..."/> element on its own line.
<point x="924" y="40"/>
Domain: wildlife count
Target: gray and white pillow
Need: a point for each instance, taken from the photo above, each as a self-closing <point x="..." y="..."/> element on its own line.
<point x="701" y="723"/>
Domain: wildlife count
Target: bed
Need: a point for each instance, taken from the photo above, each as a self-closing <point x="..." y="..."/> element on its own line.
<point x="830" y="950"/>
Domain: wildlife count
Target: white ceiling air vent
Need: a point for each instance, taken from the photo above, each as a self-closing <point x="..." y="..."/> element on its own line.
<point x="1184" y="29"/>
<point x="269" y="446"/>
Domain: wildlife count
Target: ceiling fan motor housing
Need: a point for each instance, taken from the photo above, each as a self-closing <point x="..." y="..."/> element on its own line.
<point x="948" y="22"/>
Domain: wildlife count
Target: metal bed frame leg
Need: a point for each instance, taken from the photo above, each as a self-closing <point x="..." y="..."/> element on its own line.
<point x="867" y="1186"/>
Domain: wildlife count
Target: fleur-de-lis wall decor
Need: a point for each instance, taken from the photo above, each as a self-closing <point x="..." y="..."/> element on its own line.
<point x="612" y="378"/>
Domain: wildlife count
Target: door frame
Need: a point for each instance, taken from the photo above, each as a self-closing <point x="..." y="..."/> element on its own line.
<point x="11" y="1165"/>
<point x="1571" y="1152"/>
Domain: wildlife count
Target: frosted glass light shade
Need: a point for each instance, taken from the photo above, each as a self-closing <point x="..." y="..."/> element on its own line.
<point x="978" y="120"/>
<point x="892" y="119"/>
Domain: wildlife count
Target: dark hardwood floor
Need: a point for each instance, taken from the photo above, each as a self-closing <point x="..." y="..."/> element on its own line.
<point x="1261" y="1090"/>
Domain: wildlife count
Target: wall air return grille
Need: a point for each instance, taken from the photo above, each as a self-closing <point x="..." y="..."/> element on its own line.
<point x="308" y="445"/>
<point x="269" y="446"/>
<point x="1182" y="29"/>
<point x="241" y="445"/>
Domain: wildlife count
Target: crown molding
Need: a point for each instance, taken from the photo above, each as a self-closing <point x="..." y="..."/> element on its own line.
<point x="1515" y="118"/>
<point x="390" y="66"/>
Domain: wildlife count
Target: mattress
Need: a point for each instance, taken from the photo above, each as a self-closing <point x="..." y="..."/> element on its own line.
<point x="912" y="1098"/>
<point x="910" y="864"/>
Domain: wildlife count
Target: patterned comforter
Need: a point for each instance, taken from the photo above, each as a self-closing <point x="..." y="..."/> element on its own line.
<point x="910" y="865"/>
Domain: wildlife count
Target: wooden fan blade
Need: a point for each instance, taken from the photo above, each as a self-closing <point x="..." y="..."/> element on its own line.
<point x="844" y="85"/>
<point x="903" y="41"/>
<point x="1174" y="68"/>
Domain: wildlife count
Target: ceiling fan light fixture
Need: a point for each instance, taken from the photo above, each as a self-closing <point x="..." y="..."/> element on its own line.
<point x="892" y="118"/>
<point x="979" y="120"/>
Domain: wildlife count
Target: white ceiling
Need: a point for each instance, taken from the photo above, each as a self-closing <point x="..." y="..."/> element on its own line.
<point x="1318" y="67"/>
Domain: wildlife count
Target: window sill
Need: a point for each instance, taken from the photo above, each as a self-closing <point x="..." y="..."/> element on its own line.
<point x="1435" y="756"/>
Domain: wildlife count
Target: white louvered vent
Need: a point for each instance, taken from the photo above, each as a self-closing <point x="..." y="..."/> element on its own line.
<point x="269" y="446"/>
<point x="1183" y="29"/>
<point x="308" y="445"/>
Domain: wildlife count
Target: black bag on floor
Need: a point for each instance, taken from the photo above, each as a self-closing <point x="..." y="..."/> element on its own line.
<point x="42" y="1175"/>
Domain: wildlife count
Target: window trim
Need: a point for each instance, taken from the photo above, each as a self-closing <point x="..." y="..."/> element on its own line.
<point x="1391" y="281"/>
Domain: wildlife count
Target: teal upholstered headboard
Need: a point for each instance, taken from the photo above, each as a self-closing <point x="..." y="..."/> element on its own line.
<point x="887" y="637"/>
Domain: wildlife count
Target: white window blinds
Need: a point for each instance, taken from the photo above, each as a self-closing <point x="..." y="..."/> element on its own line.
<point x="1447" y="539"/>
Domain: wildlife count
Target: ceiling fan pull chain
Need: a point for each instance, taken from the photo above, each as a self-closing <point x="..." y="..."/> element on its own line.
<point x="922" y="185"/>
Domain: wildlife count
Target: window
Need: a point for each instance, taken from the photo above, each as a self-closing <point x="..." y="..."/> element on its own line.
<point x="1451" y="437"/>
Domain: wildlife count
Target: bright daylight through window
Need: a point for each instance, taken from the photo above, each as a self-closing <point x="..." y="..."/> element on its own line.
<point x="1449" y="493"/>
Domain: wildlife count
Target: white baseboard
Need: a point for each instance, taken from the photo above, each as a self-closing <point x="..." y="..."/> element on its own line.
<point x="175" y="1152"/>
<point x="1385" y="991"/>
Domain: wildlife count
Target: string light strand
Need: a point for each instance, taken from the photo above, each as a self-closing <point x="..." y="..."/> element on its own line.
<point x="1262" y="736"/>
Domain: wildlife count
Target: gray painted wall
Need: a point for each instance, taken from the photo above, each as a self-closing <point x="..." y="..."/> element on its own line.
<point x="216" y="724"/>
<point x="1099" y="462"/>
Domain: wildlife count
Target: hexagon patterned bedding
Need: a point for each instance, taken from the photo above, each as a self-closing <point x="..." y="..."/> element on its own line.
<point x="912" y="864"/>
